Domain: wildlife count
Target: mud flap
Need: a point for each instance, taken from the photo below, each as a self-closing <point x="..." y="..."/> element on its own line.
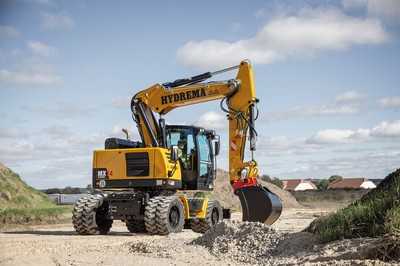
<point x="259" y="204"/>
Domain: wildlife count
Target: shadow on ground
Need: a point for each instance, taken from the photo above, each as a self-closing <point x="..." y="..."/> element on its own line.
<point x="62" y="233"/>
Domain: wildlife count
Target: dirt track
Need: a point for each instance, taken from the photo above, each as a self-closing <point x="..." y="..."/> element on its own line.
<point x="59" y="245"/>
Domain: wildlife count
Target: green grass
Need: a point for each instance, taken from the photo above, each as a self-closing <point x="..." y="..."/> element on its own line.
<point x="392" y="221"/>
<point x="15" y="193"/>
<point x="22" y="204"/>
<point x="375" y="214"/>
<point x="32" y="215"/>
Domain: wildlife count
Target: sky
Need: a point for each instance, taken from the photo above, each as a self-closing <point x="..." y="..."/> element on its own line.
<point x="326" y="73"/>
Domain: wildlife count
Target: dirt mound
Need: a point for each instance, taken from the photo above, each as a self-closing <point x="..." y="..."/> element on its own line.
<point x="15" y="193"/>
<point x="288" y="200"/>
<point x="377" y="213"/>
<point x="241" y="241"/>
<point x="22" y="204"/>
<point x="224" y="193"/>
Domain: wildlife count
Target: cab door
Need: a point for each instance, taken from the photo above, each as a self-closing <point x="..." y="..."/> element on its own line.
<point x="205" y="165"/>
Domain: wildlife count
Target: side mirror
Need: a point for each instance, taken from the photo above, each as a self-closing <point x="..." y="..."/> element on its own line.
<point x="174" y="153"/>
<point x="217" y="145"/>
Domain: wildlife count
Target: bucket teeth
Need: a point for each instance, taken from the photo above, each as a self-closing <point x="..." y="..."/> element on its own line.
<point x="259" y="204"/>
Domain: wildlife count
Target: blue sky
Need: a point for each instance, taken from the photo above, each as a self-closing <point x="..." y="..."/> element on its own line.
<point x="327" y="75"/>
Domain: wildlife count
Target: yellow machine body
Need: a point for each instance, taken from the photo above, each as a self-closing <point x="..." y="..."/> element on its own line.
<point x="161" y="170"/>
<point x="163" y="174"/>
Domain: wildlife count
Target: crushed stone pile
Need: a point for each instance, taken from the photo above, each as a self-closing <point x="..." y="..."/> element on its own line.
<point x="244" y="242"/>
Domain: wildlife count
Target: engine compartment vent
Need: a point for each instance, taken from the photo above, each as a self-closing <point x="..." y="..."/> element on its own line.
<point x="137" y="164"/>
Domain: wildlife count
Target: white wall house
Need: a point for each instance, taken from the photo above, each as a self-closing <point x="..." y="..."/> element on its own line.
<point x="298" y="185"/>
<point x="368" y="185"/>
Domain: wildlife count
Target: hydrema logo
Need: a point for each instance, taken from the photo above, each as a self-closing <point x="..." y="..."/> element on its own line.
<point x="183" y="96"/>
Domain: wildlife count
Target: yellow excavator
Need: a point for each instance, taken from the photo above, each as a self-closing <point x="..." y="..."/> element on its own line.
<point x="146" y="183"/>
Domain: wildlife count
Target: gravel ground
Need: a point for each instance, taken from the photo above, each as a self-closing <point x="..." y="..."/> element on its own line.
<point x="241" y="241"/>
<point x="231" y="243"/>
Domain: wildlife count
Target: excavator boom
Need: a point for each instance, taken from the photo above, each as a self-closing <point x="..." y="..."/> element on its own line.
<point x="238" y="100"/>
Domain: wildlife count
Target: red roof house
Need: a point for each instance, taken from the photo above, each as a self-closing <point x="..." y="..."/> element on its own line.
<point x="352" y="183"/>
<point x="298" y="185"/>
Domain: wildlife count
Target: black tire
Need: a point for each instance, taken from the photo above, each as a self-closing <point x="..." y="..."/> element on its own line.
<point x="170" y="215"/>
<point x="150" y="215"/>
<point x="89" y="216"/>
<point x="213" y="216"/>
<point x="136" y="226"/>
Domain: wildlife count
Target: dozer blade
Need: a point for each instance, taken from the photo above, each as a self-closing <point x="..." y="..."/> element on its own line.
<point x="259" y="204"/>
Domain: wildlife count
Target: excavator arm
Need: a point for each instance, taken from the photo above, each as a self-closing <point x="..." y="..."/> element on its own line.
<point x="238" y="100"/>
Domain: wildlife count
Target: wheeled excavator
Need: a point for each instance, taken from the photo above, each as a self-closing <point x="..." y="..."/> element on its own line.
<point x="146" y="183"/>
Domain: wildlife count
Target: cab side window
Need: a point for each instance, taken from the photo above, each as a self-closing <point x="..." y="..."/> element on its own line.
<point x="204" y="153"/>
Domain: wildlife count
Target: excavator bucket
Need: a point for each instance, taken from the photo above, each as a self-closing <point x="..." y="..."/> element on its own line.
<point x="259" y="204"/>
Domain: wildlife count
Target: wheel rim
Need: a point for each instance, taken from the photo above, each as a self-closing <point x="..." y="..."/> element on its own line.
<point x="214" y="216"/>
<point x="174" y="216"/>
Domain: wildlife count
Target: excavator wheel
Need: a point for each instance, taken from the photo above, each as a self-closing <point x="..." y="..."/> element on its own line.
<point x="150" y="215"/>
<point x="170" y="215"/>
<point x="135" y="226"/>
<point x="213" y="216"/>
<point x="89" y="216"/>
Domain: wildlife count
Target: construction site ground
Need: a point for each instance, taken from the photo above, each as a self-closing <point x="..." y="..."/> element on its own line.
<point x="60" y="245"/>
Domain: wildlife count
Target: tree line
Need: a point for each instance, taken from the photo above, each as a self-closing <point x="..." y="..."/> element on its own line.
<point x="322" y="184"/>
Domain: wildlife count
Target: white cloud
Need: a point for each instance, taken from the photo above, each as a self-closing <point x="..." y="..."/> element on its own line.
<point x="387" y="129"/>
<point x="347" y="103"/>
<point x="41" y="49"/>
<point x="390" y="102"/>
<point x="121" y="102"/>
<point x="351" y="4"/>
<point x="212" y="120"/>
<point x="10" y="133"/>
<point x="376" y="164"/>
<point x="306" y="33"/>
<point x="61" y="110"/>
<point x="349" y="96"/>
<point x="384" y="8"/>
<point x="28" y="78"/>
<point x="57" y="22"/>
<point x="309" y="111"/>
<point x="389" y="8"/>
<point x="58" y="131"/>
<point x="8" y="32"/>
<point x="328" y="136"/>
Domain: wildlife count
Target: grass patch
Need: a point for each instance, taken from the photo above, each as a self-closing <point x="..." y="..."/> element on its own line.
<point x="22" y="204"/>
<point x="375" y="214"/>
<point x="31" y="216"/>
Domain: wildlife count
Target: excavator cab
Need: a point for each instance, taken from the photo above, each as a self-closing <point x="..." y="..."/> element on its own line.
<point x="197" y="151"/>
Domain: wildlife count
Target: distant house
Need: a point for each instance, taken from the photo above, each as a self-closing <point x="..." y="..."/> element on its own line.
<point x="298" y="185"/>
<point x="352" y="183"/>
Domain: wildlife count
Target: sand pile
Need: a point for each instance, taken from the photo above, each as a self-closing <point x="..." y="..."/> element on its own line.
<point x="241" y="241"/>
